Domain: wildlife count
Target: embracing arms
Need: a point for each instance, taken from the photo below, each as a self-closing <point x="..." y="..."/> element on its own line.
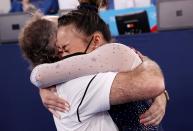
<point x="110" y="57"/>
<point x="137" y="80"/>
<point x="144" y="82"/>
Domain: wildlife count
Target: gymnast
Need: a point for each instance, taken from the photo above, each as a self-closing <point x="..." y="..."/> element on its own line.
<point x="100" y="60"/>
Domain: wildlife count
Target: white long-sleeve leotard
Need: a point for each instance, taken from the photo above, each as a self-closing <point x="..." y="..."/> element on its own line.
<point x="112" y="57"/>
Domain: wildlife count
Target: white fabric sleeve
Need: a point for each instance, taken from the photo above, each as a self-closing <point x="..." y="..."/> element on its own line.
<point x="97" y="97"/>
<point x="112" y="57"/>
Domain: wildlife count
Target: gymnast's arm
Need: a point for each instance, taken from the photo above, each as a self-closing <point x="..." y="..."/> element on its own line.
<point x="144" y="82"/>
<point x="110" y="57"/>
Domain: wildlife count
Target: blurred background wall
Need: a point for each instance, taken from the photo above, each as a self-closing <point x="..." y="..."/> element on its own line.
<point x="20" y="105"/>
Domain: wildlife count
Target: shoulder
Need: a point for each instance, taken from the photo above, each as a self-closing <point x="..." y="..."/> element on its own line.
<point x="118" y="47"/>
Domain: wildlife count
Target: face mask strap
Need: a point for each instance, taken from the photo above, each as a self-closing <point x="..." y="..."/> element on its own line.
<point x="79" y="53"/>
<point x="88" y="45"/>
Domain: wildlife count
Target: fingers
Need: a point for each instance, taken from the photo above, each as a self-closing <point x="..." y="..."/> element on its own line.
<point x="154" y="121"/>
<point x="154" y="115"/>
<point x="51" y="100"/>
<point x="140" y="54"/>
<point x="57" y="115"/>
<point x="142" y="57"/>
<point x="57" y="104"/>
<point x="57" y="107"/>
<point x="150" y="112"/>
<point x="149" y="118"/>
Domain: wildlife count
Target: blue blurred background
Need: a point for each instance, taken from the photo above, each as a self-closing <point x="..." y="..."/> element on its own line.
<point x="20" y="105"/>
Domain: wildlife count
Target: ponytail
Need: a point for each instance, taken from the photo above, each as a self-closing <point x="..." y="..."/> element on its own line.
<point x="88" y="7"/>
<point x="86" y="19"/>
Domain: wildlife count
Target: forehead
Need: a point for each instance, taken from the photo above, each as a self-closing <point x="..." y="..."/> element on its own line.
<point x="69" y="31"/>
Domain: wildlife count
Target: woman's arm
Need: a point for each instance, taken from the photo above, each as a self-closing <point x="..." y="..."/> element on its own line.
<point x="112" y="57"/>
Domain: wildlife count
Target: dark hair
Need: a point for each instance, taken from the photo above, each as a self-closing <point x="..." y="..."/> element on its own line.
<point x="88" y="6"/>
<point x="36" y="41"/>
<point x="97" y="3"/>
<point x="86" y="20"/>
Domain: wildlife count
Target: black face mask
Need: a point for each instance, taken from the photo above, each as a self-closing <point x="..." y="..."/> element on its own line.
<point x="78" y="53"/>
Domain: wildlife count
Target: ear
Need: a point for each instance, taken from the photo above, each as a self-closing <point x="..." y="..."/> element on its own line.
<point x="98" y="40"/>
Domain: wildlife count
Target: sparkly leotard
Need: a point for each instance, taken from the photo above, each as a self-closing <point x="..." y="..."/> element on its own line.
<point x="126" y="116"/>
